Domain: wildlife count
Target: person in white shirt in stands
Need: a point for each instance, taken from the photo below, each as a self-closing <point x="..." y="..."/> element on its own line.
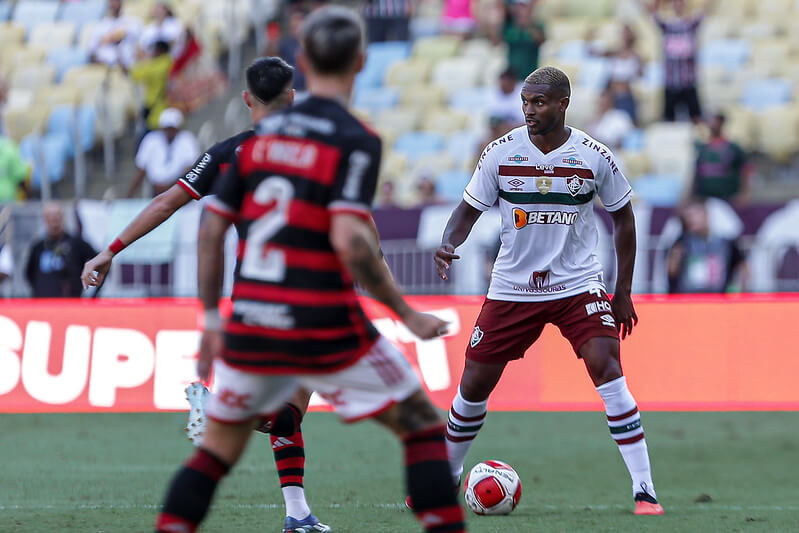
<point x="164" y="26"/>
<point x="504" y="102"/>
<point x="165" y="154"/>
<point x="6" y="263"/>
<point x="115" y="37"/>
<point x="610" y="125"/>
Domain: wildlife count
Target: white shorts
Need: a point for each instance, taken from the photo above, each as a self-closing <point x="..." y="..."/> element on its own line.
<point x="377" y="381"/>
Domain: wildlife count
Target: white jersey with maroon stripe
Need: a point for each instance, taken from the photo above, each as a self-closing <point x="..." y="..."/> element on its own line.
<point x="549" y="234"/>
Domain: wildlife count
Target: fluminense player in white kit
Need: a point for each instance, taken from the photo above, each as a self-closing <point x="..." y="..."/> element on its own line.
<point x="545" y="176"/>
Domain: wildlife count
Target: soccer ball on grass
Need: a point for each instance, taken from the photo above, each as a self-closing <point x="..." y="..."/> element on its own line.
<point x="492" y="488"/>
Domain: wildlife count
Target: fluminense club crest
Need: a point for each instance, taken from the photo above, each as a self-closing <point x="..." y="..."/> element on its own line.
<point x="574" y="185"/>
<point x="477" y="336"/>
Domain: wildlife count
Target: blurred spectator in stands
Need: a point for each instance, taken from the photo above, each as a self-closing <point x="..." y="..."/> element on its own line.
<point x="523" y="35"/>
<point x="55" y="262"/>
<point x="164" y="27"/>
<point x="153" y="75"/>
<point x="115" y="37"/>
<point x="457" y="18"/>
<point x="610" y="125"/>
<point x="722" y="170"/>
<point x="165" y="154"/>
<point x="626" y="67"/>
<point x="6" y="262"/>
<point x="388" y="20"/>
<point x="3" y="99"/>
<point x="505" y="100"/>
<point x="427" y="191"/>
<point x="679" y="53"/>
<point x="385" y="198"/>
<point x="700" y="262"/>
<point x="287" y="46"/>
<point x="13" y="172"/>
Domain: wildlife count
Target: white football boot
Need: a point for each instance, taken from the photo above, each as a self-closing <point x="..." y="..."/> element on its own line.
<point x="195" y="427"/>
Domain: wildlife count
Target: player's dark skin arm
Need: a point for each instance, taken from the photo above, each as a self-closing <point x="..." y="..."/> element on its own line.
<point x="354" y="242"/>
<point x="624" y="238"/>
<point x="459" y="226"/>
<point x="157" y="211"/>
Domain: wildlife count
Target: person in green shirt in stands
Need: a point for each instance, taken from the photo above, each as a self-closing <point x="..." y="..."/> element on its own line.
<point x="722" y="170"/>
<point x="153" y="75"/>
<point x="523" y="36"/>
<point x="13" y="171"/>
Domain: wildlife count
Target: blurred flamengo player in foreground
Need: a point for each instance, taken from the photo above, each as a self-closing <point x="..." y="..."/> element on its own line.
<point x="299" y="193"/>
<point x="269" y="88"/>
<point x="545" y="175"/>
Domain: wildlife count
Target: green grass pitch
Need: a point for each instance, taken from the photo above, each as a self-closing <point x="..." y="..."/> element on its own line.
<point x="107" y="472"/>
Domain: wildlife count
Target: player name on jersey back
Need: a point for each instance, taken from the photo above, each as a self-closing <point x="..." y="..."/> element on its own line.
<point x="549" y="234"/>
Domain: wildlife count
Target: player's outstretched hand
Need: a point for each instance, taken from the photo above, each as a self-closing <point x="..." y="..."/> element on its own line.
<point x="210" y="348"/>
<point x="425" y="326"/>
<point x="443" y="259"/>
<point x="624" y="312"/>
<point x="95" y="269"/>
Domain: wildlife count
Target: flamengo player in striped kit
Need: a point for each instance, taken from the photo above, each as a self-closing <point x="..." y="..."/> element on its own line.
<point x="299" y="193"/>
<point x="545" y="175"/>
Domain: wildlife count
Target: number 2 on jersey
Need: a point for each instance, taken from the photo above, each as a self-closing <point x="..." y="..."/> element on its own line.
<point x="269" y="266"/>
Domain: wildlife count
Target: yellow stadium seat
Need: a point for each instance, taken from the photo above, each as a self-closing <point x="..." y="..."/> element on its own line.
<point x="479" y="48"/>
<point x="758" y="30"/>
<point x="33" y="77"/>
<point x="139" y="9"/>
<point x="778" y="132"/>
<point x="422" y="96"/>
<point x="593" y="9"/>
<point x="715" y="28"/>
<point x="53" y="35"/>
<point x="86" y="76"/>
<point x="393" y="166"/>
<point x="457" y="73"/>
<point x="649" y="101"/>
<point x="582" y="107"/>
<point x="444" y="121"/>
<point x="56" y="95"/>
<point x="493" y="68"/>
<point x="19" y="98"/>
<point x="86" y="34"/>
<point x="775" y="50"/>
<point x="409" y="72"/>
<point x="435" y="48"/>
<point x="11" y="34"/>
<point x="740" y="126"/>
<point x="771" y="8"/>
<point x="21" y="122"/>
<point x="568" y="29"/>
<point x="431" y="165"/>
<point x="399" y="120"/>
<point x="634" y="164"/>
<point x="13" y="57"/>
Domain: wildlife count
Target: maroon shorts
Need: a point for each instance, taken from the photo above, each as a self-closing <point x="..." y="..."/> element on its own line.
<point x="505" y="330"/>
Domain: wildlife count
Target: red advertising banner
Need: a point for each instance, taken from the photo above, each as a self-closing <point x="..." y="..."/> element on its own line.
<point x="687" y="353"/>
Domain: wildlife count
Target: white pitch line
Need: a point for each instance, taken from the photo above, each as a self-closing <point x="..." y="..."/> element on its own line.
<point x="269" y="506"/>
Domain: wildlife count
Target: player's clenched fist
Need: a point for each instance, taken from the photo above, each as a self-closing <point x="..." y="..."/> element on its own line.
<point x="423" y="325"/>
<point x="95" y="269"/>
<point x="443" y="258"/>
<point x="624" y="312"/>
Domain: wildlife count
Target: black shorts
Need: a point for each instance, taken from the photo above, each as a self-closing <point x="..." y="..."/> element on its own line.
<point x="687" y="97"/>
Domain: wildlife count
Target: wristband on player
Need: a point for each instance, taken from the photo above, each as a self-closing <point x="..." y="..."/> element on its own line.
<point x="212" y="320"/>
<point x="117" y="246"/>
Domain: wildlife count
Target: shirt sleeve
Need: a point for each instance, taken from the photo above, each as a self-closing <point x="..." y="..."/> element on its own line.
<point x="612" y="186"/>
<point x="144" y="152"/>
<point x="356" y="179"/>
<point x="228" y="194"/>
<point x="199" y="180"/>
<point x="483" y="188"/>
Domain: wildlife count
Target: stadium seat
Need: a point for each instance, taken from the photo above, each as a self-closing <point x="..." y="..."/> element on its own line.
<point x="450" y="185"/>
<point x="565" y="29"/>
<point x="464" y="146"/>
<point x="14" y="57"/>
<point x="422" y="96"/>
<point x="740" y="125"/>
<point x="493" y="67"/>
<point x="758" y="30"/>
<point x="778" y="132"/>
<point x="444" y="121"/>
<point x="399" y="120"/>
<point x="82" y="12"/>
<point x="63" y="121"/>
<point x="431" y="165"/>
<point x="594" y="73"/>
<point x="53" y="35"/>
<point x="594" y="9"/>
<point x="762" y="94"/>
<point x="50" y="150"/>
<point x="728" y="53"/>
<point x="774" y="51"/>
<point x="659" y="190"/>
<point x="393" y="166"/>
<point x="33" y="77"/>
<point x="64" y="59"/>
<point x="11" y="34"/>
<point x="670" y="147"/>
<point x="5" y="9"/>
<point x="415" y="144"/>
<point x="573" y="50"/>
<point x="478" y="48"/>
<point x="31" y="13"/>
<point x="87" y="77"/>
<point x="410" y="72"/>
<point x="456" y="74"/>
<point x="436" y="48"/>
<point x="470" y="100"/>
<point x="56" y="95"/>
<point x="379" y="57"/>
<point x="770" y="8"/>
<point x="376" y="99"/>
<point x="19" y="98"/>
<point x="716" y="28"/>
<point x="20" y="122"/>
<point x="633" y="163"/>
<point x="86" y="34"/>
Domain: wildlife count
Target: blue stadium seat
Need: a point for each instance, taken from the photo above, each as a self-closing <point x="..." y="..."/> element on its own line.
<point x="573" y="51"/>
<point x="64" y="59"/>
<point x="5" y="10"/>
<point x="424" y="27"/>
<point x="594" y="73"/>
<point x="82" y="12"/>
<point x="473" y="99"/>
<point x="376" y="98"/>
<point x="727" y="53"/>
<point x="29" y="13"/>
<point x="450" y="185"/>
<point x="659" y="190"/>
<point x="54" y="147"/>
<point x="62" y="122"/>
<point x="379" y="57"/>
<point x="464" y="145"/>
<point x="762" y="94"/>
<point x="415" y="144"/>
<point x="634" y="141"/>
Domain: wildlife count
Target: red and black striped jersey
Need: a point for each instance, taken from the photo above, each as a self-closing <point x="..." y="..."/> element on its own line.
<point x="294" y="306"/>
<point x="214" y="162"/>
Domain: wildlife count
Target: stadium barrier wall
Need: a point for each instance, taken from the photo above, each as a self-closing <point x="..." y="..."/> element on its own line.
<point x="687" y="353"/>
